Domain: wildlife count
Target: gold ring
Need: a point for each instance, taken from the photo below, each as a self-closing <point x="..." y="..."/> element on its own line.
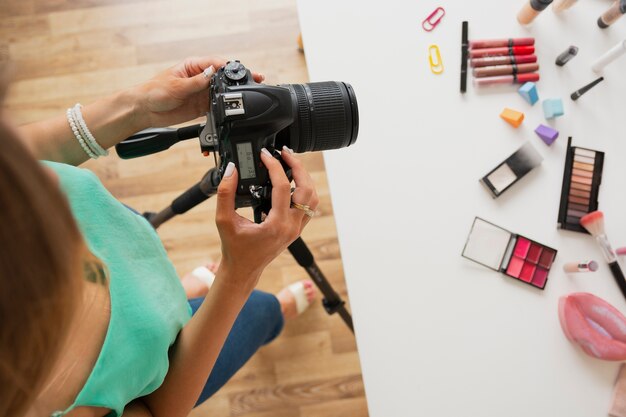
<point x="306" y="209"/>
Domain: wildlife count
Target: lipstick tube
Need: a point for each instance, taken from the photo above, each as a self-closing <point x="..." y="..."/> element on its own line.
<point x="502" y="60"/>
<point x="513" y="50"/>
<point x="494" y="43"/>
<point x="506" y="79"/>
<point x="504" y="70"/>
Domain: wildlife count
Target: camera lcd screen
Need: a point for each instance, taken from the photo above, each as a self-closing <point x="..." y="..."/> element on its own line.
<point x="246" y="160"/>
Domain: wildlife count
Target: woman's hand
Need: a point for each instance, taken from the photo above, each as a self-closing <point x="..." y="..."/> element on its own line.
<point x="179" y="93"/>
<point x="247" y="247"/>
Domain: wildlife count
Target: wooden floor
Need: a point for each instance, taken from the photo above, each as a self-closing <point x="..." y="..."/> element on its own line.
<point x="68" y="51"/>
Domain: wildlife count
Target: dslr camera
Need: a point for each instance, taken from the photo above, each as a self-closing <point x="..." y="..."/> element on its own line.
<point x="245" y="117"/>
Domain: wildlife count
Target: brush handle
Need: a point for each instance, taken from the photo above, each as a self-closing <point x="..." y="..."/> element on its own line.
<point x="618" y="274"/>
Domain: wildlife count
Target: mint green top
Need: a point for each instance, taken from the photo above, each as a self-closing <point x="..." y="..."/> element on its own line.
<point x="148" y="303"/>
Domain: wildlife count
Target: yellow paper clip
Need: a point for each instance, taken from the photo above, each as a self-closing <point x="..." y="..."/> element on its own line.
<point x="436" y="65"/>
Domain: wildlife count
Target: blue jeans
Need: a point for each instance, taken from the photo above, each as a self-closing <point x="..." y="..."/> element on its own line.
<point x="258" y="323"/>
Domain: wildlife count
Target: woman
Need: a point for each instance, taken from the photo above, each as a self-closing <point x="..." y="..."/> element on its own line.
<point x="93" y="319"/>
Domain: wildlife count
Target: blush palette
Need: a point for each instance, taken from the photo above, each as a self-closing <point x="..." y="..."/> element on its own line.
<point x="581" y="185"/>
<point x="516" y="256"/>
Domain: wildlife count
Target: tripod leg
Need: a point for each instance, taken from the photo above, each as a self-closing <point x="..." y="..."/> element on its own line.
<point x="195" y="195"/>
<point x="332" y="301"/>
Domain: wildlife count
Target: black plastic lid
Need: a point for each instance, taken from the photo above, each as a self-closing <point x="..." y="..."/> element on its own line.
<point x="540" y="5"/>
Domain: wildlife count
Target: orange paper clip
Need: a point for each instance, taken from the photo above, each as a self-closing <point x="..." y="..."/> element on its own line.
<point x="433" y="19"/>
<point x="434" y="58"/>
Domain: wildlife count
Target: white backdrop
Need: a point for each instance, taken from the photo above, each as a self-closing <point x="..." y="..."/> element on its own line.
<point x="437" y="334"/>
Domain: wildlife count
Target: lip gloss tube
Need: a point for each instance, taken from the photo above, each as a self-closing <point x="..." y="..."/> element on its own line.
<point x="590" y="266"/>
<point x="506" y="79"/>
<point x="609" y="17"/>
<point x="504" y="70"/>
<point x="502" y="60"/>
<point x="494" y="43"/>
<point x="531" y="10"/>
<point x="513" y="50"/>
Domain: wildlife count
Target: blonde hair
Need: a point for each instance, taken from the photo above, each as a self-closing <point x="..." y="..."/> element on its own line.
<point x="40" y="268"/>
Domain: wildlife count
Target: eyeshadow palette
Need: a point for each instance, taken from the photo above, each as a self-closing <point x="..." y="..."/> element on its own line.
<point x="581" y="185"/>
<point x="516" y="256"/>
<point x="520" y="163"/>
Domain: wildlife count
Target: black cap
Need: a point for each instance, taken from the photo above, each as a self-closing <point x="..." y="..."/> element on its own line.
<point x="540" y="5"/>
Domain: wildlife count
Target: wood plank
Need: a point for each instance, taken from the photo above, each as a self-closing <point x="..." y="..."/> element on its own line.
<point x="17" y="27"/>
<point x="47" y="6"/>
<point x="78" y="61"/>
<point x="316" y="366"/>
<point x="141" y="13"/>
<point x="17" y="8"/>
<point x="353" y="407"/>
<point x="296" y="395"/>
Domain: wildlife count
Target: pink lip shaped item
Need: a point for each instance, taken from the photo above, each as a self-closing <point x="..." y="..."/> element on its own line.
<point x="595" y="325"/>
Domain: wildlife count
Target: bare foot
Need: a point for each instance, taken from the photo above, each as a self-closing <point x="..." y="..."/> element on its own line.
<point x="288" y="301"/>
<point x="195" y="287"/>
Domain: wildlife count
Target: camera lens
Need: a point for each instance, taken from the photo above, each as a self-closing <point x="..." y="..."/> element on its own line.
<point x="327" y="117"/>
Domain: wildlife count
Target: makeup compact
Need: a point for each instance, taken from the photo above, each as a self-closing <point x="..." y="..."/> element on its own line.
<point x="581" y="185"/>
<point x="512" y="169"/>
<point x="511" y="254"/>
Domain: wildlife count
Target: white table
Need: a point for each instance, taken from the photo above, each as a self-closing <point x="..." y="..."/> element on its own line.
<point x="437" y="334"/>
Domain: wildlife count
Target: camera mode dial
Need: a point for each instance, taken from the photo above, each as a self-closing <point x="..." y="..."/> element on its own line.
<point x="235" y="71"/>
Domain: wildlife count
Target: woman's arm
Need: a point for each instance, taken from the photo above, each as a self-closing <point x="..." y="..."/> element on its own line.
<point x="110" y="120"/>
<point x="247" y="248"/>
<point x="174" y="96"/>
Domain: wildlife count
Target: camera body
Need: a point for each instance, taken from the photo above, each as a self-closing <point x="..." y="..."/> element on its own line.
<point x="246" y="116"/>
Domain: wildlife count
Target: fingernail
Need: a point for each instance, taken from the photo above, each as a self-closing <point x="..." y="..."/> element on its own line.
<point x="289" y="150"/>
<point x="266" y="152"/>
<point x="230" y="168"/>
<point x="208" y="72"/>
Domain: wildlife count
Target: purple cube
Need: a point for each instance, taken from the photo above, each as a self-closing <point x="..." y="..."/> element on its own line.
<point x="547" y="134"/>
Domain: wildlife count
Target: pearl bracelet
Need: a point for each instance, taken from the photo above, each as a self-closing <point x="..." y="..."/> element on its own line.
<point x="79" y="137"/>
<point x="86" y="134"/>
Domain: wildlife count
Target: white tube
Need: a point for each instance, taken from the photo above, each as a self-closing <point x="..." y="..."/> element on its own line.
<point x="611" y="55"/>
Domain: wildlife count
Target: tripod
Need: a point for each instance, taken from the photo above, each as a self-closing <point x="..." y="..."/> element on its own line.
<point x="206" y="188"/>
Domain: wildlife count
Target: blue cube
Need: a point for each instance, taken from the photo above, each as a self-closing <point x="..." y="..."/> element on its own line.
<point x="553" y="107"/>
<point x="529" y="92"/>
<point x="547" y="134"/>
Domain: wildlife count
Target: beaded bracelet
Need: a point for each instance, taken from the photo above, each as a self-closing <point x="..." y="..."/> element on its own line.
<point x="89" y="138"/>
<point x="79" y="137"/>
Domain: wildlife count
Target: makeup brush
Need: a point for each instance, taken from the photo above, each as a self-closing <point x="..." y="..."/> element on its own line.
<point x="594" y="223"/>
